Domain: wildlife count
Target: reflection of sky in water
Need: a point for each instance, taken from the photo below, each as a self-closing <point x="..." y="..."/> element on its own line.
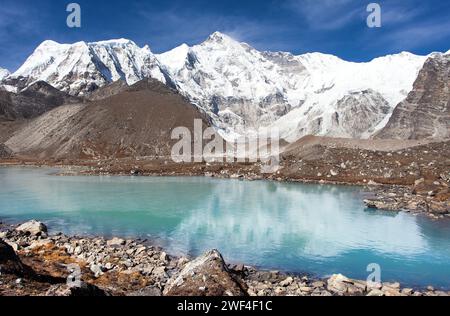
<point x="320" y="229"/>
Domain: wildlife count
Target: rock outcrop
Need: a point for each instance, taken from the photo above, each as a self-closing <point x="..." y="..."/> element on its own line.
<point x="207" y="275"/>
<point x="5" y="152"/>
<point x="425" y="114"/>
<point x="38" y="98"/>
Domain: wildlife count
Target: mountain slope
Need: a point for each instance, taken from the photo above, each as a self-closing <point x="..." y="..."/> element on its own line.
<point x="425" y="114"/>
<point x="82" y="67"/>
<point x="133" y="123"/>
<point x="245" y="90"/>
<point x="35" y="100"/>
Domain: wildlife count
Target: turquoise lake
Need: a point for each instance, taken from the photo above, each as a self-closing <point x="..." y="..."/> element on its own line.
<point x="316" y="229"/>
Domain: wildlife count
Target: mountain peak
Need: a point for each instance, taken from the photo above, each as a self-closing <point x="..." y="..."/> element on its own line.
<point x="114" y="42"/>
<point x="218" y="37"/>
<point x="4" y="73"/>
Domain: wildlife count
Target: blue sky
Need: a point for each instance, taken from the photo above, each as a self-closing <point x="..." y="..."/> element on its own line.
<point x="298" y="26"/>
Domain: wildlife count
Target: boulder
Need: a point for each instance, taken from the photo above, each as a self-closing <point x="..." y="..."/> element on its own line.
<point x="9" y="261"/>
<point x="33" y="227"/>
<point x="115" y="242"/>
<point x="341" y="285"/>
<point x="207" y="275"/>
<point x="5" y="151"/>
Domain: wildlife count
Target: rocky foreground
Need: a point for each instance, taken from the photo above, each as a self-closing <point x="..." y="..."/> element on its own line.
<point x="37" y="264"/>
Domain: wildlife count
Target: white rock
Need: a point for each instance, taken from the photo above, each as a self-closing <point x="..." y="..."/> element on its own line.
<point x="33" y="227"/>
<point x="116" y="242"/>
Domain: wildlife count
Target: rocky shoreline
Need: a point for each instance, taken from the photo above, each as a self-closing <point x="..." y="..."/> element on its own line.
<point x="431" y="198"/>
<point x="38" y="264"/>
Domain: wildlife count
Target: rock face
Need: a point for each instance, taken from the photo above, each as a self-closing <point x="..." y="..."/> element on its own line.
<point x="425" y="114"/>
<point x="38" y="98"/>
<point x="205" y="276"/>
<point x="5" y="152"/>
<point x="33" y="227"/>
<point x="9" y="261"/>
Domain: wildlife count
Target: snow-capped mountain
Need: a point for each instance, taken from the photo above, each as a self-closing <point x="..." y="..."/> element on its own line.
<point x="3" y="73"/>
<point x="246" y="90"/>
<point x="242" y="89"/>
<point x="83" y="67"/>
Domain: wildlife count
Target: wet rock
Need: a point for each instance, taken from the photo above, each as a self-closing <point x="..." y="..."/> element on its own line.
<point x="33" y="227"/>
<point x="207" y="275"/>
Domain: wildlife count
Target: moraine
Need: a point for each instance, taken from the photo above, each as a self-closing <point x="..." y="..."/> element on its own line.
<point x="291" y="227"/>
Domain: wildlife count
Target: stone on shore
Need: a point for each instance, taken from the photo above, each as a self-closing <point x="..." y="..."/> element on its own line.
<point x="207" y="275"/>
<point x="341" y="285"/>
<point x="115" y="242"/>
<point x="33" y="228"/>
<point x="9" y="261"/>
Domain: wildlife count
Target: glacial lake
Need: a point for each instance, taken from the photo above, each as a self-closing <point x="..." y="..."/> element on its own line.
<point x="317" y="229"/>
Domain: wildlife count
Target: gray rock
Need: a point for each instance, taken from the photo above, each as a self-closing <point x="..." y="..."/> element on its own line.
<point x="32" y="227"/>
<point x="116" y="242"/>
<point x="208" y="271"/>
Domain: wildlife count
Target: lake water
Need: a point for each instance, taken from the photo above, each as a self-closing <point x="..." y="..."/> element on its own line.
<point x="317" y="229"/>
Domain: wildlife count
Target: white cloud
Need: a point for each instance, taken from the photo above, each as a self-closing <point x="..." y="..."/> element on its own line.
<point x="418" y="35"/>
<point x="328" y="14"/>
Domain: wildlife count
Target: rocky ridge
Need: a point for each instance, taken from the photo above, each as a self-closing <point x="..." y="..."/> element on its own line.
<point x="425" y="114"/>
<point x="37" y="99"/>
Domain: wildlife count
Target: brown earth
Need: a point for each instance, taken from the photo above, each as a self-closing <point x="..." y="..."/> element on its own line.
<point x="133" y="123"/>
